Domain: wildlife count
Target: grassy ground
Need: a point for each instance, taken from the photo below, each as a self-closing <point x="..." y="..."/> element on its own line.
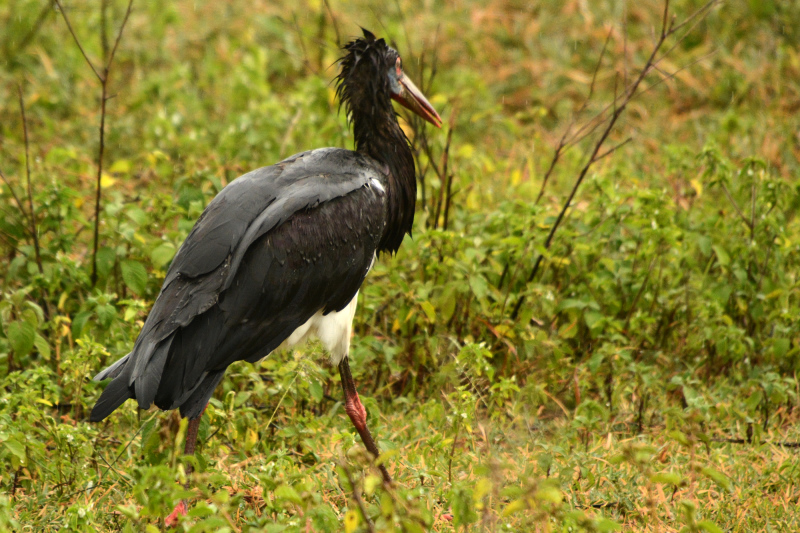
<point x="647" y="383"/>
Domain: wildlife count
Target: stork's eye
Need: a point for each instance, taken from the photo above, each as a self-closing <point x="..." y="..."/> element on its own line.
<point x="398" y="67"/>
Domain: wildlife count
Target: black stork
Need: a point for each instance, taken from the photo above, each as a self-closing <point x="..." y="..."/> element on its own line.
<point x="280" y="254"/>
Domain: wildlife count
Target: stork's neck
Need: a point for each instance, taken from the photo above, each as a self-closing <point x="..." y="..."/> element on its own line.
<point x="384" y="141"/>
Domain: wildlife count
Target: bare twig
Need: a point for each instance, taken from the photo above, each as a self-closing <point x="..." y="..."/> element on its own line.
<point x="613" y="149"/>
<point x="452" y="453"/>
<point x="34" y="232"/>
<point x="119" y="36"/>
<point x="19" y="203"/>
<point x="570" y="138"/>
<point x="736" y="206"/>
<point x="443" y="178"/>
<point x="37" y="25"/>
<point x="103" y="77"/>
<point x="787" y="444"/>
<point x="333" y="19"/>
<point x="639" y="294"/>
<point x="77" y="41"/>
<point x="619" y="104"/>
<point x="562" y="143"/>
<point x="421" y="144"/>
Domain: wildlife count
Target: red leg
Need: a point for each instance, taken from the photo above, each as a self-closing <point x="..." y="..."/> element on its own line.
<point x="358" y="415"/>
<point x="188" y="449"/>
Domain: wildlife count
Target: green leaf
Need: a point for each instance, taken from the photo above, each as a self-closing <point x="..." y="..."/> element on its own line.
<point x="717" y="477"/>
<point x="549" y="494"/>
<point x="446" y="303"/>
<point x="105" y="261"/>
<point x="604" y="525"/>
<point x="722" y="256"/>
<point x="106" y="314"/>
<point x="351" y="521"/>
<point x="592" y="318"/>
<point x="429" y="311"/>
<point x="315" y="389"/>
<point x="287" y="493"/>
<point x="780" y="347"/>
<point x="42" y="346"/>
<point x="21" y="335"/>
<point x="669" y="478"/>
<point x="478" y="285"/>
<point x="135" y="276"/>
<point x="137" y="215"/>
<point x="463" y="507"/>
<point x="709" y="526"/>
<point x="162" y="254"/>
<point x="201" y="510"/>
<point x="121" y="166"/>
<point x="79" y="322"/>
<point x="17" y="449"/>
<point x="679" y="436"/>
<point x="514" y="507"/>
<point x="573" y="303"/>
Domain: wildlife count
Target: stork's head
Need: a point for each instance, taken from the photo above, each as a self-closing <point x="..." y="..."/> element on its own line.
<point x="372" y="75"/>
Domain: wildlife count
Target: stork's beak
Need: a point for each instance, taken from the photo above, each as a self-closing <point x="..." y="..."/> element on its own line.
<point x="411" y="98"/>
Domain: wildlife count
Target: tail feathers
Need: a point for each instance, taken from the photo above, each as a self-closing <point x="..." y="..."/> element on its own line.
<point x="146" y="383"/>
<point x="113" y="396"/>
<point x="113" y="370"/>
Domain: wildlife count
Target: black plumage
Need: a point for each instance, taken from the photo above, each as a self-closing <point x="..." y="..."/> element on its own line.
<point x="278" y="246"/>
<point x="273" y="248"/>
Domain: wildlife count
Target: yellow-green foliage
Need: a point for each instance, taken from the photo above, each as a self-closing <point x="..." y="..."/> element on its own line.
<point x="648" y="382"/>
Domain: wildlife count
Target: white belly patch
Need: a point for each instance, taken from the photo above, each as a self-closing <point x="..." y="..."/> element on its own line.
<point x="333" y="331"/>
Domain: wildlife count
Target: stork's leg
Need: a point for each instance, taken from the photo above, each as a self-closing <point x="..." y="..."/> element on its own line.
<point x="358" y="415"/>
<point x="188" y="449"/>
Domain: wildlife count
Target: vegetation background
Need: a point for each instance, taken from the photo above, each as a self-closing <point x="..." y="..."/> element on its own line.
<point x="647" y="382"/>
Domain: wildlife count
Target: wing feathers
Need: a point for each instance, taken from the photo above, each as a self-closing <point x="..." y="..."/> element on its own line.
<point x="273" y="248"/>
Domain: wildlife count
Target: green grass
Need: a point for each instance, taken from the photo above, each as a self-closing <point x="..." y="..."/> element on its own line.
<point x="648" y="383"/>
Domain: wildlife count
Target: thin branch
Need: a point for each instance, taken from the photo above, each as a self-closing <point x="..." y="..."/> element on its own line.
<point x="103" y="78"/>
<point x="736" y="206"/>
<point x="103" y="25"/>
<point x="786" y="444"/>
<point x="404" y="24"/>
<point x="639" y="294"/>
<point x="562" y="143"/>
<point x="10" y="244"/>
<point x="613" y="149"/>
<point x="448" y="175"/>
<point x="333" y="19"/>
<point x="601" y="117"/>
<point x="37" y="25"/>
<point x="98" y="186"/>
<point x="80" y="47"/>
<point x="119" y="35"/>
<point x="753" y="196"/>
<point x="668" y="28"/>
<point x="34" y="233"/>
<point x="19" y="203"/>
<point x="443" y="176"/>
<point x="695" y="17"/>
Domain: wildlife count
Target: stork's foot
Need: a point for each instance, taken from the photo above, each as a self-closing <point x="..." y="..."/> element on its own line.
<point x="180" y="510"/>
<point x="188" y="449"/>
<point x="358" y="415"/>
